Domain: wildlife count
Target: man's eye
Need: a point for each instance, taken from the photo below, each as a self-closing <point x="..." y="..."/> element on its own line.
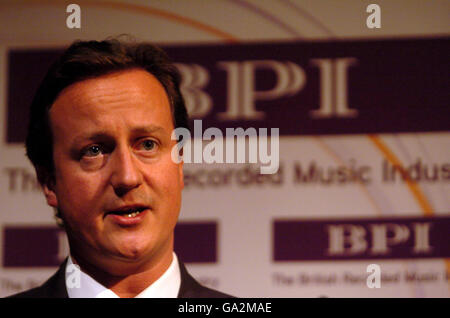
<point x="148" y="144"/>
<point x="92" y="151"/>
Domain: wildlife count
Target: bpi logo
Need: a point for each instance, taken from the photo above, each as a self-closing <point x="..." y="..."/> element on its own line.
<point x="291" y="78"/>
<point x="378" y="239"/>
<point x="400" y="238"/>
<point x="303" y="88"/>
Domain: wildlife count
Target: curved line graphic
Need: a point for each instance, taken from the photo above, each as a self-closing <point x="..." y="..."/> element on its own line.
<point x="430" y="159"/>
<point x="339" y="160"/>
<point x="266" y="15"/>
<point x="143" y="9"/>
<point x="307" y="16"/>
<point x="413" y="186"/>
<point x="408" y="158"/>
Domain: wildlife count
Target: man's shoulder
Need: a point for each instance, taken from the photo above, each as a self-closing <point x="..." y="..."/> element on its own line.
<point x="37" y="292"/>
<point x="54" y="287"/>
<point x="191" y="288"/>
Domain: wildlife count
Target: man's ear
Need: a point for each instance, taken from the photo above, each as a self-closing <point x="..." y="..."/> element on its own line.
<point x="50" y="195"/>
<point x="47" y="182"/>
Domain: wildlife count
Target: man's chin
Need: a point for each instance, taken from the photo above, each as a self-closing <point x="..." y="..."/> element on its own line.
<point x="131" y="252"/>
<point x="123" y="262"/>
<point x="136" y="257"/>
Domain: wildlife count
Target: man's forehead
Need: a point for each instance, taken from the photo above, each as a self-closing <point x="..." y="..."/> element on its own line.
<point x="115" y="89"/>
<point x="134" y="97"/>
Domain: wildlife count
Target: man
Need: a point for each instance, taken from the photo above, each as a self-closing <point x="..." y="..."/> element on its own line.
<point x="100" y="141"/>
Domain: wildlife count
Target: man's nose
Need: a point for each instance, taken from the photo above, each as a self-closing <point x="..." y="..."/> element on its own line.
<point x="125" y="174"/>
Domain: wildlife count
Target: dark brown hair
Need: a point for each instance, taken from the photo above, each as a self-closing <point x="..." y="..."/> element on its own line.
<point x="90" y="59"/>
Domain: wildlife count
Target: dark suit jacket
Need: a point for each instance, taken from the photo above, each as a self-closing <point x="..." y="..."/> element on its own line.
<point x="55" y="287"/>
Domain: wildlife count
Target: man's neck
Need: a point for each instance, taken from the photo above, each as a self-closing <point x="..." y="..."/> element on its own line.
<point x="132" y="282"/>
<point x="132" y="285"/>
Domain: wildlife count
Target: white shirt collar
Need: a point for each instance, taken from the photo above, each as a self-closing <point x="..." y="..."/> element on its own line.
<point x="84" y="286"/>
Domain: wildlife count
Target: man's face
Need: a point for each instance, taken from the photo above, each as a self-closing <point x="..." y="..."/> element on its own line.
<point x="116" y="185"/>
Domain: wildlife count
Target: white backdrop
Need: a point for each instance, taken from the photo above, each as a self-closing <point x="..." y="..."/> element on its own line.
<point x="245" y="213"/>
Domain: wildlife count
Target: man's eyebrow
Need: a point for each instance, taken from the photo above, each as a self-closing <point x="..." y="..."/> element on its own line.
<point x="101" y="134"/>
<point x="148" y="129"/>
<point x="91" y="136"/>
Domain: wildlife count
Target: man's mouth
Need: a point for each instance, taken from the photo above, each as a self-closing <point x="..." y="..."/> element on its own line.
<point x="129" y="212"/>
